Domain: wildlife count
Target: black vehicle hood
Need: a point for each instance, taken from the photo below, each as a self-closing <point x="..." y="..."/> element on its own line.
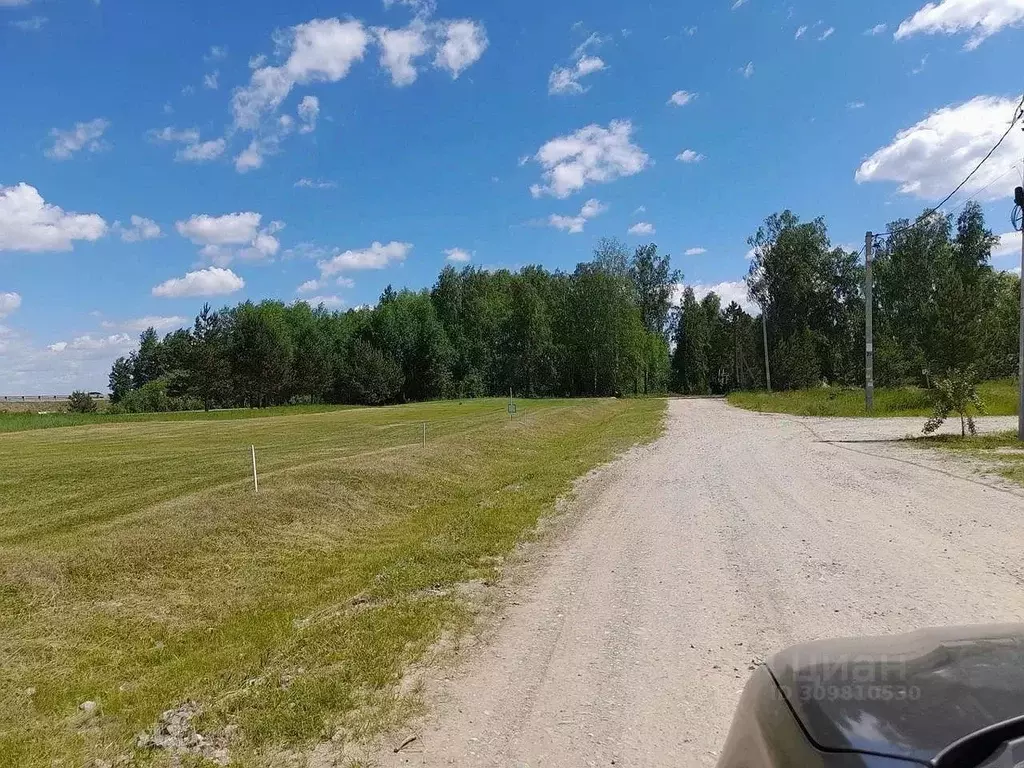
<point x="907" y="696"/>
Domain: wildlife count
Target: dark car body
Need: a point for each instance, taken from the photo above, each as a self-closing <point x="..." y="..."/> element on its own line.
<point x="938" y="697"/>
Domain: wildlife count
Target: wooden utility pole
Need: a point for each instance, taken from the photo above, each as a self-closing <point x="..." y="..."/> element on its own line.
<point x="869" y="347"/>
<point x="764" y="336"/>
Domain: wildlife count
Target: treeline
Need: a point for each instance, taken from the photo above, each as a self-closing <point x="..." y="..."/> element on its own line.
<point x="938" y="306"/>
<point x="601" y="330"/>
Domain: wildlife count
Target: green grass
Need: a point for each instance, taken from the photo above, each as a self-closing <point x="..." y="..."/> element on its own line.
<point x="139" y="570"/>
<point x="1001" y="451"/>
<point x="1000" y="399"/>
<point x="19" y="421"/>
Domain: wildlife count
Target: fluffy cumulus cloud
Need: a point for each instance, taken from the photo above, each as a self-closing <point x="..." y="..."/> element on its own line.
<point x="930" y="158"/>
<point x="212" y="281"/>
<point x="193" y="149"/>
<point x="139" y="324"/>
<point x="321" y="50"/>
<point x="689" y="156"/>
<point x="29" y="223"/>
<point x="9" y="302"/>
<point x="574" y="224"/>
<point x="400" y="48"/>
<point x="87" y="136"/>
<point x="140" y="228"/>
<point x="591" y="155"/>
<point x="681" y="98"/>
<point x="564" y="80"/>
<point x="980" y="18"/>
<point x="324" y="51"/>
<point x="377" y="256"/>
<point x="464" y="43"/>
<point x="235" y="235"/>
<point x="695" y="251"/>
<point x="642" y="228"/>
<point x="457" y="255"/>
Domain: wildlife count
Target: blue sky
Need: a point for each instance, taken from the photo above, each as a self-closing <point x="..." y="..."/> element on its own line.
<point x="338" y="147"/>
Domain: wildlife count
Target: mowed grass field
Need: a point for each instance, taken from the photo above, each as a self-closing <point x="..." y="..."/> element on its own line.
<point x="139" y="571"/>
<point x="1000" y="399"/>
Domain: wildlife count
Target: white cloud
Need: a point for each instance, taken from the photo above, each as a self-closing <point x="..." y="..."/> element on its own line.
<point x="219" y="236"/>
<point x="827" y="33"/>
<point x="642" y="228"/>
<point x="250" y="158"/>
<point x="217" y="52"/>
<point x="695" y="251"/>
<point x="464" y="43"/>
<point x="855" y="105"/>
<point x="930" y="158"/>
<point x="876" y="30"/>
<point x="9" y="302"/>
<point x="593" y="41"/>
<point x="640" y="209"/>
<point x="330" y="302"/>
<point x="689" y="156"/>
<point x="86" y="136"/>
<point x="309" y="112"/>
<point x="202" y="151"/>
<point x="982" y="18"/>
<point x="920" y="67"/>
<point x="231" y="229"/>
<point x="574" y="224"/>
<point x="400" y="48"/>
<point x="345" y="282"/>
<point x="308" y="287"/>
<point x="212" y="281"/>
<point x="307" y="183"/>
<point x="141" y="229"/>
<point x="13" y="3"/>
<point x="29" y="223"/>
<point x="139" y="324"/>
<point x="1008" y="245"/>
<point x="89" y="343"/>
<point x="564" y="80"/>
<point x="321" y="50"/>
<point x="194" y="150"/>
<point x="211" y="80"/>
<point x="33" y="24"/>
<point x="738" y="4"/>
<point x="747" y="71"/>
<point x="801" y="31"/>
<point x="728" y="292"/>
<point x="592" y="155"/>
<point x="458" y="255"/>
<point x="377" y="256"/>
<point x="681" y="98"/>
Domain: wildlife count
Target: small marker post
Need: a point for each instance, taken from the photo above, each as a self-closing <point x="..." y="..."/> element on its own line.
<point x="255" y="479"/>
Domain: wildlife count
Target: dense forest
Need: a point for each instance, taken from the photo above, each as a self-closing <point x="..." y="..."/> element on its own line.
<point x="608" y="328"/>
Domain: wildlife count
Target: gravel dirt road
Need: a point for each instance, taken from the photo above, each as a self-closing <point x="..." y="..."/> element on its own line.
<point x="689" y="560"/>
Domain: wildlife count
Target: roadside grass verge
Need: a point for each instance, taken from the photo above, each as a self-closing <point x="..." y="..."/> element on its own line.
<point x="20" y="421"/>
<point x="1001" y="451"/>
<point x="139" y="571"/>
<point x="1000" y="398"/>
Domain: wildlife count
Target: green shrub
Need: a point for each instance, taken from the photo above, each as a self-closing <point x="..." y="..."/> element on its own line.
<point x="957" y="393"/>
<point x="81" y="402"/>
